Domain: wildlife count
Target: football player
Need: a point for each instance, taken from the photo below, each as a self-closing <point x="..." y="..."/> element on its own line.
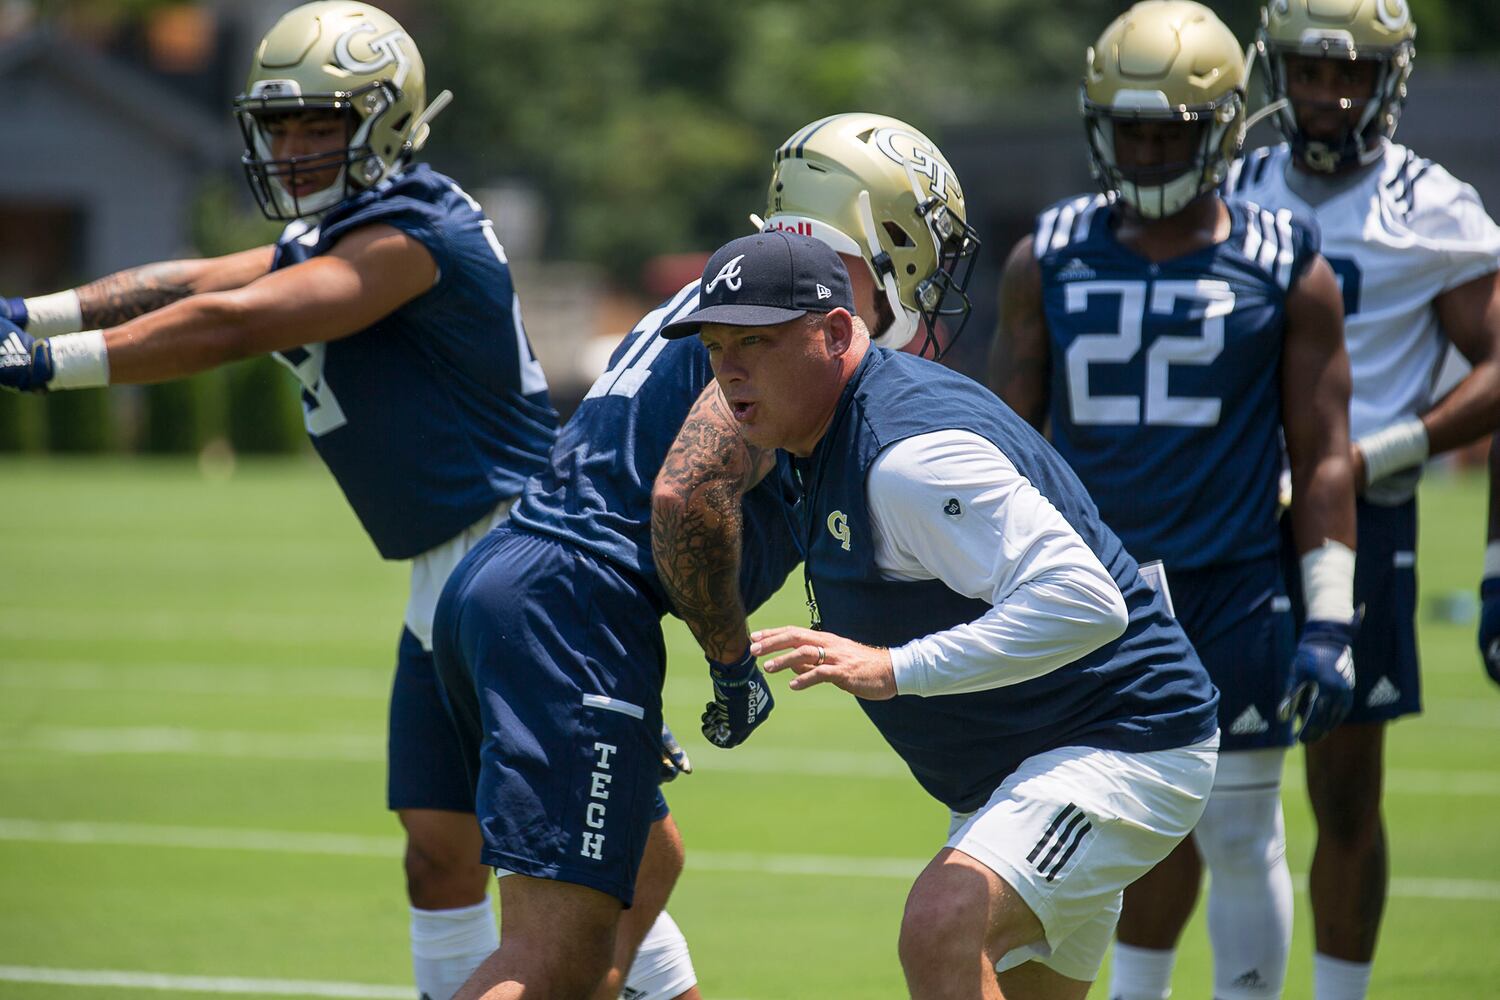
<point x="573" y="573"/>
<point x="389" y="298"/>
<point x="1171" y="338"/>
<point x="1417" y="259"/>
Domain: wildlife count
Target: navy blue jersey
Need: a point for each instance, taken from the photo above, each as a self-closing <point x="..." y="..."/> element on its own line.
<point x="1143" y="691"/>
<point x="436" y="413"/>
<point x="1166" y="391"/>
<point x="596" y="489"/>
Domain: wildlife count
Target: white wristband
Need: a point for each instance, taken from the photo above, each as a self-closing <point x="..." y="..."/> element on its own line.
<point x="49" y="315"/>
<point x="1328" y="582"/>
<point x="1393" y="448"/>
<point x="1492" y="560"/>
<point x="79" y="360"/>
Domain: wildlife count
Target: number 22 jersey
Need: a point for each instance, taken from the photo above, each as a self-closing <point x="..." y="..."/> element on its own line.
<point x="1165" y="384"/>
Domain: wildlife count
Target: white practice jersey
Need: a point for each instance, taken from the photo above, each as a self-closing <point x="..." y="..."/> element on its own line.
<point x="1396" y="238"/>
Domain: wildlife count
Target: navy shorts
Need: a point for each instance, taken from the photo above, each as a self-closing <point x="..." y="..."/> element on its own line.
<point x="1387" y="679"/>
<point x="553" y="662"/>
<point x="1239" y="620"/>
<point x="424" y="759"/>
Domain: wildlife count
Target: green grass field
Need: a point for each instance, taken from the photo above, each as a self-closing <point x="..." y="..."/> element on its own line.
<point x="193" y="681"/>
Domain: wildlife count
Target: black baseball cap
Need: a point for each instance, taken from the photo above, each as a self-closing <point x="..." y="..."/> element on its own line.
<point x="766" y="279"/>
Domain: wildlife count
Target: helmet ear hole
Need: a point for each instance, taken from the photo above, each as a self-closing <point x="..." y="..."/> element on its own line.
<point x="899" y="236"/>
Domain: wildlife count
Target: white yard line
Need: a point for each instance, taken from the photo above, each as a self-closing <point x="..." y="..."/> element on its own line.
<point x="243" y="986"/>
<point x="731" y="862"/>
<point x="353" y="747"/>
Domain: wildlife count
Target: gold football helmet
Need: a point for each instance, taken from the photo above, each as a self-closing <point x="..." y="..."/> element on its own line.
<point x="1381" y="31"/>
<point x="876" y="188"/>
<point x="339" y="56"/>
<point x="1166" y="61"/>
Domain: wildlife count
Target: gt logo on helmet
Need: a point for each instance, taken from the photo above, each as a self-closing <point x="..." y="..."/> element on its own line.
<point x="386" y="48"/>
<point x="891" y="142"/>
<point x="1393" y="13"/>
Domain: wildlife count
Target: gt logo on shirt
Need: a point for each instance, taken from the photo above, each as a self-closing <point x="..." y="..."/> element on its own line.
<point x="599" y="779"/>
<point x="838" y="527"/>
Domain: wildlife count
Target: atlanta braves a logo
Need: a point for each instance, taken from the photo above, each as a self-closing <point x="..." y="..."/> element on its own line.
<point x="729" y="274"/>
<point x="384" y="50"/>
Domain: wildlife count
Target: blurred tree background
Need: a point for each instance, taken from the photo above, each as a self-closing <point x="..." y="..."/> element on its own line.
<point x="641" y="128"/>
<point x="648" y="124"/>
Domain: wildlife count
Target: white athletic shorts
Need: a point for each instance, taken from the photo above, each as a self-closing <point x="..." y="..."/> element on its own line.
<point x="1071" y="828"/>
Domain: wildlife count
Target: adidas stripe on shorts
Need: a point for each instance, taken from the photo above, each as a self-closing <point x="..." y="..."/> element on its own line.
<point x="1069" y="829"/>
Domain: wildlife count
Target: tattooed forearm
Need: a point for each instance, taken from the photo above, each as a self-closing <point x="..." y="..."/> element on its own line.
<point x="120" y="297"/>
<point x="697" y="524"/>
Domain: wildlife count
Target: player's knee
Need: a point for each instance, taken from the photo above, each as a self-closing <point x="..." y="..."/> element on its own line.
<point x="442" y="866"/>
<point x="943" y="926"/>
<point x="1242" y="833"/>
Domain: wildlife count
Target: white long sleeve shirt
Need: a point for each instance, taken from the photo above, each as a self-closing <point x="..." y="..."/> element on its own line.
<point x="950" y="506"/>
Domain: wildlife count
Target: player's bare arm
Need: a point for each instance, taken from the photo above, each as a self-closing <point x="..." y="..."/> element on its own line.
<point x="696" y="523"/>
<point x="1316" y="385"/>
<point x="120" y="297"/>
<point x="1020" y="358"/>
<point x="367" y="275"/>
<point x="1470" y="317"/>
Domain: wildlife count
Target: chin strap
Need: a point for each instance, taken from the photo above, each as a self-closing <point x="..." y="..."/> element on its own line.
<point x="1266" y="112"/>
<point x="903" y="326"/>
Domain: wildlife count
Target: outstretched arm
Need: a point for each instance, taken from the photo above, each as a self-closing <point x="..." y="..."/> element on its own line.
<point x="367" y="275"/>
<point x="124" y="295"/>
<point x="697" y="523"/>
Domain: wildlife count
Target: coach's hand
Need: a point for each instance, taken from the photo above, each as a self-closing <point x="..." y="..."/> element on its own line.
<point x="1322" y="683"/>
<point x="825" y="658"/>
<point x="25" y="362"/>
<point x="742" y="700"/>
<point x="674" y="759"/>
<point x="14" y="309"/>
<point x="1489" y="626"/>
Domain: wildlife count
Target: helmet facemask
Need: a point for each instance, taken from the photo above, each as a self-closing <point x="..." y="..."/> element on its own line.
<point x="273" y="180"/>
<point x="942" y="294"/>
<point x="1364" y="141"/>
<point x="1160" y="190"/>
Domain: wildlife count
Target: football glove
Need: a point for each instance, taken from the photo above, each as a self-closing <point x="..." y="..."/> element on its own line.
<point x="1322" y="683"/>
<point x="674" y="759"/>
<point x="14" y="309"/>
<point x="1489" y="626"/>
<point x="742" y="700"/>
<point x="25" y="362"/>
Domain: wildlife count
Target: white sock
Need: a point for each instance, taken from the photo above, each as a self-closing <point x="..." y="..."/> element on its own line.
<point x="448" y="945"/>
<point x="662" y="968"/>
<point x="1242" y="840"/>
<point x="1141" y="973"/>
<point x="1336" y="979"/>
